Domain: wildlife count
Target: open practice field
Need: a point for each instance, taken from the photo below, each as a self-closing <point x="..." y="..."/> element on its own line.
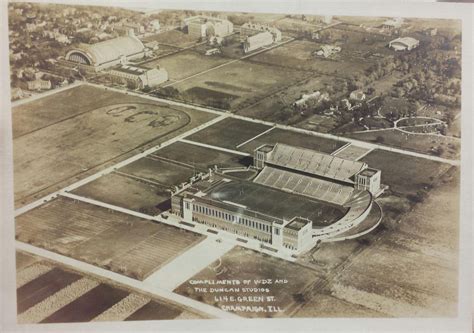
<point x="122" y="243"/>
<point x="297" y="139"/>
<point x="298" y="55"/>
<point x="247" y="81"/>
<point x="240" y="264"/>
<point x="111" y="130"/>
<point x="150" y="168"/>
<point x="423" y="250"/>
<point x="126" y="191"/>
<point x="186" y="63"/>
<point x="62" y="295"/>
<point x="202" y="158"/>
<point x="175" y="38"/>
<point x="229" y="133"/>
<point x="272" y="107"/>
<point x="410" y="175"/>
<point x="451" y="147"/>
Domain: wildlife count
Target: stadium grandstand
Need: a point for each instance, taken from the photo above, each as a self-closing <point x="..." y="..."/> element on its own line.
<point x="298" y="198"/>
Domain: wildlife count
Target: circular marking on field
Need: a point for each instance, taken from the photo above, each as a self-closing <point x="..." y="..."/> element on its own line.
<point x="149" y="114"/>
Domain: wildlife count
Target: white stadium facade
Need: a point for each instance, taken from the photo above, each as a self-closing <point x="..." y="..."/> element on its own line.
<point x="299" y="198"/>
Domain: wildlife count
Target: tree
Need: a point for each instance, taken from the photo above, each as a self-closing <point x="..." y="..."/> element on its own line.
<point x="380" y="139"/>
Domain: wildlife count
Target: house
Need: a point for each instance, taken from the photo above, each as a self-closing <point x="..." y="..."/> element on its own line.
<point x="393" y="24"/>
<point x="17" y="93"/>
<point x="357" y="95"/>
<point x="315" y="96"/>
<point x="327" y="51"/>
<point x="155" y="25"/>
<point x="212" y="51"/>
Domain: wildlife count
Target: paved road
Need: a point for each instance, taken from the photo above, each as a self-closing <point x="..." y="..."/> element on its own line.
<point x="188" y="264"/>
<point x="124" y="280"/>
<point x="237" y="152"/>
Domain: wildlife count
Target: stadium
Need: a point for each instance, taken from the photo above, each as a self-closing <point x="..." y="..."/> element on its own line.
<point x="299" y="198"/>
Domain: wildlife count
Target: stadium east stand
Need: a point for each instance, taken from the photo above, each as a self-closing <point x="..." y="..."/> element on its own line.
<point x="306" y="185"/>
<point x="312" y="162"/>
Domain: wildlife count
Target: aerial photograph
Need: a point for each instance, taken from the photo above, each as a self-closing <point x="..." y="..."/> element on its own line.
<point x="188" y="164"/>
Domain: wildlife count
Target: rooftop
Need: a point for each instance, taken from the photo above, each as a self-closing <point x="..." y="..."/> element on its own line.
<point x="369" y="172"/>
<point x="297" y="223"/>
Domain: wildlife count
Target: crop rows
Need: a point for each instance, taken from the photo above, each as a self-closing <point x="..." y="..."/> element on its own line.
<point x="56" y="301"/>
<point x="30" y="273"/>
<point x="123" y="309"/>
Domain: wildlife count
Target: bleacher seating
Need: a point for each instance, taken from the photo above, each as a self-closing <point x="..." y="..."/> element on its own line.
<point x="312" y="187"/>
<point x="316" y="163"/>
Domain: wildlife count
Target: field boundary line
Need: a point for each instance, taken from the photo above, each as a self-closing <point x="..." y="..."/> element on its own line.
<point x="46" y="94"/>
<point x="112" y="168"/>
<point x="255" y="137"/>
<point x="364" y="154"/>
<point x="236" y="152"/>
<point x="126" y="281"/>
<point x="360" y="143"/>
<point x="337" y="151"/>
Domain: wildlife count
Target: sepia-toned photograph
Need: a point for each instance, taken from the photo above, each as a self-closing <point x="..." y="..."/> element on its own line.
<point x="185" y="164"/>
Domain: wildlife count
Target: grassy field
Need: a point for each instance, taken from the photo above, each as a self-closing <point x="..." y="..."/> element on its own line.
<point x="352" y="152"/>
<point x="173" y="37"/>
<point x="298" y="55"/>
<point x="58" y="150"/>
<point x="295" y="139"/>
<point x="415" y="142"/>
<point x="407" y="267"/>
<point x="410" y="175"/>
<point x="121" y="190"/>
<point x="186" y="63"/>
<point x="229" y="133"/>
<point x="248" y="81"/>
<point x="271" y="107"/>
<point x="413" y="271"/>
<point x="243" y="264"/>
<point x="202" y="158"/>
<point x="121" y="243"/>
<point x="159" y="171"/>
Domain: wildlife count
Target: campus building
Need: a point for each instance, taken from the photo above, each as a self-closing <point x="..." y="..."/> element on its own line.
<point x="106" y="54"/>
<point x="138" y="77"/>
<point x="38" y="84"/>
<point x="250" y="29"/>
<point x="404" y="44"/>
<point x="257" y="41"/>
<point x="298" y="198"/>
<point x="204" y="26"/>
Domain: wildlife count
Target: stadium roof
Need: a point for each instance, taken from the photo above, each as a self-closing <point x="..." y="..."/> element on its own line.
<point x="316" y="163"/>
<point x="112" y="49"/>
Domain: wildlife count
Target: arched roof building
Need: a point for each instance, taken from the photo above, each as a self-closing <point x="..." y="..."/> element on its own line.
<point x="108" y="53"/>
